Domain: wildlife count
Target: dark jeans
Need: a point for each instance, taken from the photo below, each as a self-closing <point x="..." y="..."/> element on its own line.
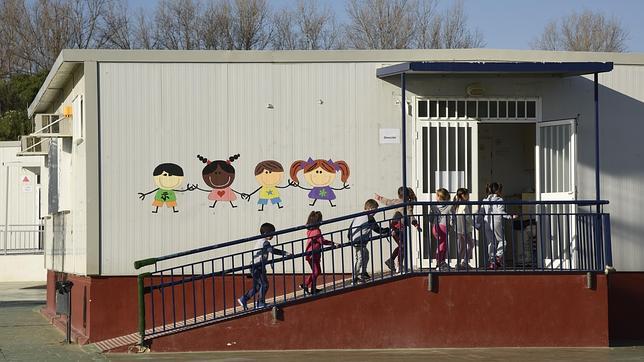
<point x="260" y="283"/>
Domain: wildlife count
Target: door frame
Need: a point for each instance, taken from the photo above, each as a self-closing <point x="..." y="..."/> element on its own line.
<point x="572" y="250"/>
<point x="574" y="162"/>
<point x="417" y="157"/>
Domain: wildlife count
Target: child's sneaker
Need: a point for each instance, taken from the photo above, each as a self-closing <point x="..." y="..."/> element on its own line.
<point x="242" y="302"/>
<point x="499" y="262"/>
<point x="261" y="305"/>
<point x="390" y="264"/>
<point x="442" y="266"/>
<point x="365" y="276"/>
<point x="492" y="266"/>
<point x="304" y="288"/>
<point x="462" y="266"/>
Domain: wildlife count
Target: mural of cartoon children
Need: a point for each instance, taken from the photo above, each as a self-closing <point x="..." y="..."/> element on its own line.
<point x="167" y="177"/>
<point x="320" y="174"/>
<point x="268" y="175"/>
<point x="219" y="175"/>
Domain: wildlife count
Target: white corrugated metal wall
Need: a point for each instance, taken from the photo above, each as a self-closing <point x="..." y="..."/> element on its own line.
<point x="154" y="113"/>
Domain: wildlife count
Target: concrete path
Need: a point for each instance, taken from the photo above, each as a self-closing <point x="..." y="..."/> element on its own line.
<point x="26" y="336"/>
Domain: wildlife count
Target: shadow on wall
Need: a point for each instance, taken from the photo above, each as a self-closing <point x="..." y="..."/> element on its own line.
<point x="621" y="152"/>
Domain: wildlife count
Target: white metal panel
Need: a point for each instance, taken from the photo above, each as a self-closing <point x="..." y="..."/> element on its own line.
<point x="155" y="113"/>
<point x="126" y="103"/>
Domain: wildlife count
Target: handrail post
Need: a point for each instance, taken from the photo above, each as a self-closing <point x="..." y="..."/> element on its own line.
<point x="141" y="298"/>
<point x="406" y="228"/>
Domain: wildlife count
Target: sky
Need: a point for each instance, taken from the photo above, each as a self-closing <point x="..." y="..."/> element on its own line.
<point x="513" y="24"/>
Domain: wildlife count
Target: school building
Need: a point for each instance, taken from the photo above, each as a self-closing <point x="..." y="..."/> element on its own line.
<point x="175" y="158"/>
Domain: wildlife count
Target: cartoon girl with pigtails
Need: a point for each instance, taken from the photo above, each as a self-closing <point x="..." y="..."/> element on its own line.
<point x="320" y="174"/>
<point x="219" y="175"/>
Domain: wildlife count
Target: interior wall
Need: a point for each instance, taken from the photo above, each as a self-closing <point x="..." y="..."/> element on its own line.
<point x="506" y="156"/>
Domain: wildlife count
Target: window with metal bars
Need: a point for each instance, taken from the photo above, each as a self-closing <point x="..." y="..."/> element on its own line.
<point x="480" y="109"/>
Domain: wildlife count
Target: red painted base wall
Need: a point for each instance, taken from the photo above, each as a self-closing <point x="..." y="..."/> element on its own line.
<point x="466" y="311"/>
<point x="626" y="308"/>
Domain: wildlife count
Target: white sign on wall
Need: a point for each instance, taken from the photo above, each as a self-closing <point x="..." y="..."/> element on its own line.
<point x="389" y="135"/>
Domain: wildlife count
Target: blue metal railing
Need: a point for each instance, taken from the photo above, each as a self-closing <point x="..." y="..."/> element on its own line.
<point x="552" y="236"/>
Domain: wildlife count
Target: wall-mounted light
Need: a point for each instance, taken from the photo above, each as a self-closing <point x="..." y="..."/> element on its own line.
<point x="475" y="90"/>
<point x="320" y="101"/>
<point x="67" y="111"/>
<point x="270" y="106"/>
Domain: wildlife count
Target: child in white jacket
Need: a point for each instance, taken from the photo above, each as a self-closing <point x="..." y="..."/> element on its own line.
<point x="491" y="219"/>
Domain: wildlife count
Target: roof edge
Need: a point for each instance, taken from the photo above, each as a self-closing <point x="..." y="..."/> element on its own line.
<point x="50" y="76"/>
<point x="486" y="67"/>
<point x="299" y="56"/>
<point x="323" y="56"/>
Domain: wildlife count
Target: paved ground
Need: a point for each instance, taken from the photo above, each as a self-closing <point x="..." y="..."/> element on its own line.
<point x="26" y="336"/>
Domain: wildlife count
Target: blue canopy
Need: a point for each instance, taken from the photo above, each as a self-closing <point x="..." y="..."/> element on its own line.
<point x="561" y="69"/>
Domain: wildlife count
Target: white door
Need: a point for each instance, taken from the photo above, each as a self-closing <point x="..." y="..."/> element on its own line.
<point x="444" y="154"/>
<point x="556" y="161"/>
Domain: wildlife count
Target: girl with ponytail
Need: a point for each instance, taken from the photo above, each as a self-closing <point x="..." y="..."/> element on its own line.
<point x="219" y="176"/>
<point x="320" y="174"/>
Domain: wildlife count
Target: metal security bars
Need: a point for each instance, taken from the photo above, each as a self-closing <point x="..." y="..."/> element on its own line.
<point x="492" y="109"/>
<point x="542" y="237"/>
<point x="22" y="238"/>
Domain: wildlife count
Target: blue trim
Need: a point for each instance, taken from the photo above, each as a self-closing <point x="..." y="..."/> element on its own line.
<point x="564" y="69"/>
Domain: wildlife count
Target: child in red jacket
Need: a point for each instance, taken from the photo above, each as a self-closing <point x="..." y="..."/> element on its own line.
<point x="313" y="254"/>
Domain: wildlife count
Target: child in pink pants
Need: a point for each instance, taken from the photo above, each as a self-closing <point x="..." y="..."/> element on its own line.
<point x="314" y="244"/>
<point x="440" y="218"/>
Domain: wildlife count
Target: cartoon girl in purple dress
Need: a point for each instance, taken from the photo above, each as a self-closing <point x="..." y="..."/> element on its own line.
<point x="320" y="174"/>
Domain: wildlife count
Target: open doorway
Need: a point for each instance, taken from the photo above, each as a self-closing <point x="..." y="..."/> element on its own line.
<point x="506" y="155"/>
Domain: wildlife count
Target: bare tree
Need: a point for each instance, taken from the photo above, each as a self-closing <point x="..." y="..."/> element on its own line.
<point x="380" y="24"/>
<point x="308" y="26"/>
<point x="86" y="18"/>
<point x="285" y="36"/>
<point x="39" y="31"/>
<point x="316" y="25"/>
<point x="145" y="35"/>
<point x="585" y="31"/>
<point x="216" y="26"/>
<point x="394" y="24"/>
<point x="428" y="26"/>
<point x="251" y="28"/>
<point x="176" y="24"/>
<point x="454" y="31"/>
<point x="117" y="30"/>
